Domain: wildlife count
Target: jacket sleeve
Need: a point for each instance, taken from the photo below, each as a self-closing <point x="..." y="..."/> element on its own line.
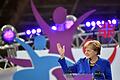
<point x="108" y="74"/>
<point x="66" y="69"/>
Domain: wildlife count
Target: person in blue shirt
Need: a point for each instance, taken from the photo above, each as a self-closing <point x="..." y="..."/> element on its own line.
<point x="91" y="64"/>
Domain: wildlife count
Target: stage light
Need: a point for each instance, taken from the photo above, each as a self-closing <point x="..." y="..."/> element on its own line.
<point x="87" y="24"/>
<point x="38" y="30"/>
<point x="103" y="22"/>
<point x="8" y="34"/>
<point x="109" y="21"/>
<point x="98" y="22"/>
<point x="33" y="31"/>
<point x="114" y="21"/>
<point x="54" y="28"/>
<point x="93" y="23"/>
<point x="28" y="32"/>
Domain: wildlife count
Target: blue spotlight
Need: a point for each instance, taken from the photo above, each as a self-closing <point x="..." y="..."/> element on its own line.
<point x="33" y="31"/>
<point x="98" y="22"/>
<point x="114" y="21"/>
<point x="54" y="28"/>
<point x="109" y="21"/>
<point x="38" y="30"/>
<point x="103" y="22"/>
<point x="87" y="24"/>
<point x="93" y="23"/>
<point x="28" y="32"/>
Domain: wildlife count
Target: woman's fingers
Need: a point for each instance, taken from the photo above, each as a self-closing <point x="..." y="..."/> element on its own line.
<point x="61" y="49"/>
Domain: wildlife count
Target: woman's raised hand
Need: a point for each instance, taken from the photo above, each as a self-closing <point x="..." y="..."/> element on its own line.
<point x="61" y="50"/>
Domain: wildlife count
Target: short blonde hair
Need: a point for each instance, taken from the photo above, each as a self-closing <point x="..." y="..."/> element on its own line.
<point x="94" y="44"/>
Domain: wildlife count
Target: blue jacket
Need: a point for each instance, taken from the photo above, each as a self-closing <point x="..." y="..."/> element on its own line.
<point x="101" y="69"/>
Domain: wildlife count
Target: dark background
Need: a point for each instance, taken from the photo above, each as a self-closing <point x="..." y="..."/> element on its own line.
<point x="18" y="12"/>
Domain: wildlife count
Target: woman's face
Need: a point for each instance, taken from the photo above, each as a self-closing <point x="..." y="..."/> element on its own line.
<point x="90" y="53"/>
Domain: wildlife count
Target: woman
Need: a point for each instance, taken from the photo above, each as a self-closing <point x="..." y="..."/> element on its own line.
<point x="91" y="64"/>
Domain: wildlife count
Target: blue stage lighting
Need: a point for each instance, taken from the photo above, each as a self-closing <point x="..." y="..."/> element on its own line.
<point x="54" y="28"/>
<point x="114" y="21"/>
<point x="33" y="31"/>
<point x="109" y="21"/>
<point x="93" y="23"/>
<point x="98" y="22"/>
<point x="103" y="22"/>
<point x="87" y="24"/>
<point x="38" y="30"/>
<point x="28" y="32"/>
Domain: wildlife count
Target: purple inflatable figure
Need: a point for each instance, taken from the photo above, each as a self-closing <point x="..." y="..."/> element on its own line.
<point x="63" y="37"/>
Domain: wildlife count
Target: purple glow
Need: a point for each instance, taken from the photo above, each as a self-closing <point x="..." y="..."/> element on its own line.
<point x="8" y="36"/>
<point x="87" y="24"/>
